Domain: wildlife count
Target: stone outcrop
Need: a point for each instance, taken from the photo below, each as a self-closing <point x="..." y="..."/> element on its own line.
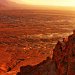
<point x="47" y="67"/>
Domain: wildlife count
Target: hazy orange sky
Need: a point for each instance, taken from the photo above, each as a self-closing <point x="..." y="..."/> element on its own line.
<point x="38" y="4"/>
<point x="47" y="2"/>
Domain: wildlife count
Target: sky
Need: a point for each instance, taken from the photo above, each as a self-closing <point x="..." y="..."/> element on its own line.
<point x="47" y="2"/>
<point x="39" y="4"/>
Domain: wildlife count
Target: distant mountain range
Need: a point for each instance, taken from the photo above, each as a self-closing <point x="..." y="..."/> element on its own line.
<point x="4" y="4"/>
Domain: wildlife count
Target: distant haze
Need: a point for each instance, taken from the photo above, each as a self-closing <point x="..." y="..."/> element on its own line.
<point x="22" y="4"/>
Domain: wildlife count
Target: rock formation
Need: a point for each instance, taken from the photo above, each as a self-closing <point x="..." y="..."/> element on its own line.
<point x="49" y="67"/>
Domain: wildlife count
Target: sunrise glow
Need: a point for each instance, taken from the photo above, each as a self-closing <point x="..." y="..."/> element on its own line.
<point x="47" y="2"/>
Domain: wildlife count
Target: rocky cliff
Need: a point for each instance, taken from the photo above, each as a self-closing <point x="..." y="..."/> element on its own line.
<point x="47" y="67"/>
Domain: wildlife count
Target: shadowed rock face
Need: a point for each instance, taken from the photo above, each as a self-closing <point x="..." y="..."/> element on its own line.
<point x="47" y="67"/>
